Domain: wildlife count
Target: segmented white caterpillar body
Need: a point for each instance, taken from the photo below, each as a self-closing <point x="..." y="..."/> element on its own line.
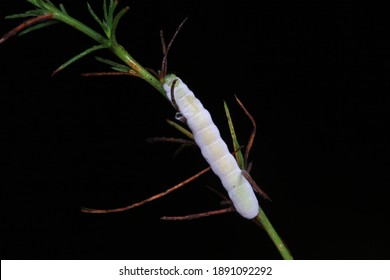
<point x="213" y="148"/>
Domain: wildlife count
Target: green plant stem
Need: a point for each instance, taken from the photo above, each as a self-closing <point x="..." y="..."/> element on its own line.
<point x="123" y="55"/>
<point x="115" y="48"/>
<point x="283" y="250"/>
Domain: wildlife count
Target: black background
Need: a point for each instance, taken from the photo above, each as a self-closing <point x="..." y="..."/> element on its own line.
<point x="314" y="76"/>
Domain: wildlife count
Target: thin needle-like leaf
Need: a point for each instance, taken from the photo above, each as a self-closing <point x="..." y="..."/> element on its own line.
<point x="93" y="14"/>
<point x="38" y="26"/>
<point x="238" y="154"/>
<point x="77" y="57"/>
<point x="31" y="13"/>
<point x="111" y="9"/>
<point x="105" y="9"/>
<point x="115" y="65"/>
<point x="24" y="25"/>
<point x="115" y="22"/>
<point x="34" y="2"/>
<point x="181" y="129"/>
<point x="63" y="9"/>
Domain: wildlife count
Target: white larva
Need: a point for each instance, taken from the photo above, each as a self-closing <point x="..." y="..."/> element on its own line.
<point x="213" y="148"/>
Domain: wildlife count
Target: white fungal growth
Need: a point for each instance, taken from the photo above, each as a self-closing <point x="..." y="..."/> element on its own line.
<point x="213" y="148"/>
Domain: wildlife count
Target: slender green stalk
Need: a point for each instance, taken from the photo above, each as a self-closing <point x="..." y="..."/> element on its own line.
<point x="282" y="248"/>
<point x="122" y="54"/>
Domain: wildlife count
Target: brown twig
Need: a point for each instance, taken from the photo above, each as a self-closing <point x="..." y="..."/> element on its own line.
<point x="121" y="209"/>
<point x="165" y="49"/>
<point x="170" y="140"/>
<point x="23" y="25"/>
<point x="199" y="215"/>
<point x="245" y="173"/>
<point x="253" y="134"/>
<point x="255" y="186"/>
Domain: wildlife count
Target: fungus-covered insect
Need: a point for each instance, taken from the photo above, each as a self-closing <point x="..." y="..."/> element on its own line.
<point x="212" y="146"/>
